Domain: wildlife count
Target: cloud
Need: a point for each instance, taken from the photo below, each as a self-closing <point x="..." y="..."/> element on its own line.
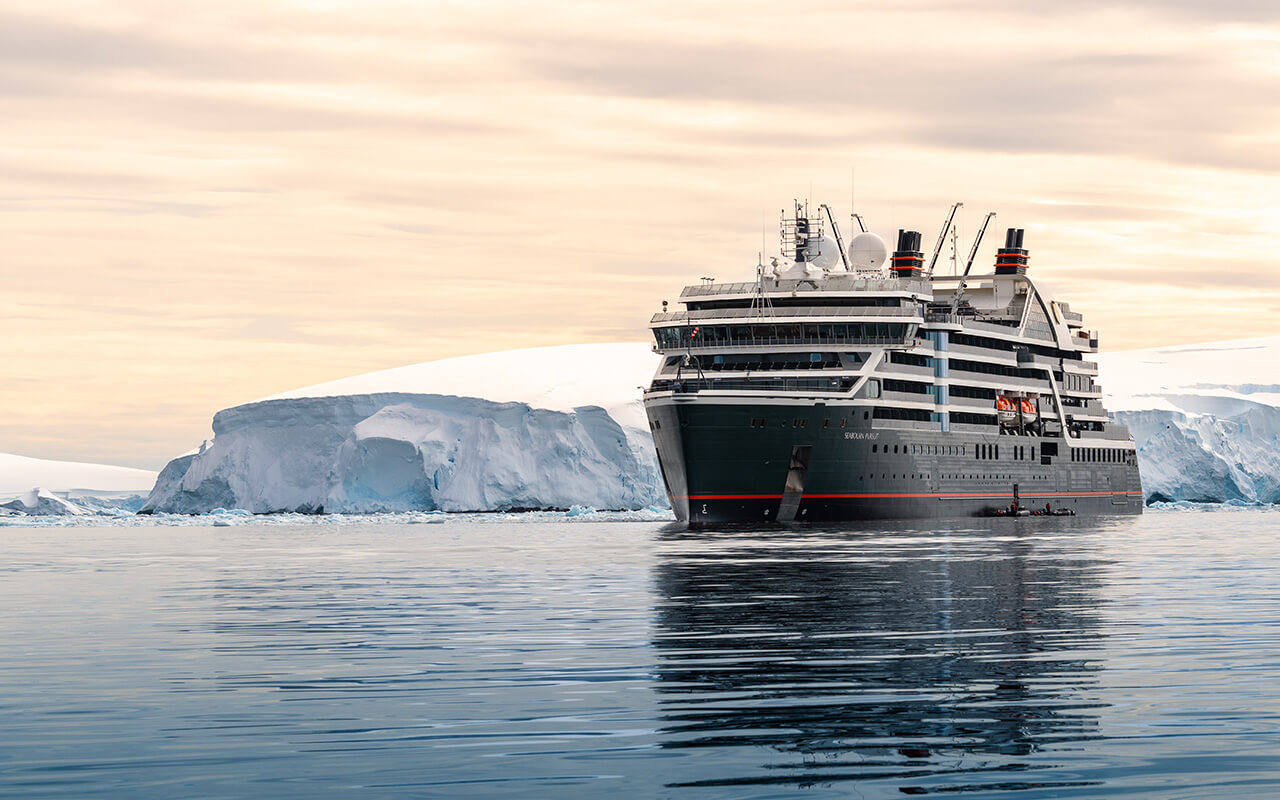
<point x="213" y="206"/>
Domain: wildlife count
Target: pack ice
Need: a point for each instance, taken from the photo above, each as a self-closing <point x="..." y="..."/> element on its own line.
<point x="547" y="427"/>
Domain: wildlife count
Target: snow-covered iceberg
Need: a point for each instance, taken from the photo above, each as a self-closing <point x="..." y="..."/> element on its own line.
<point x="38" y="487"/>
<point x="540" y="428"/>
<point x="1206" y="418"/>
<point x="41" y="503"/>
<point x="21" y="474"/>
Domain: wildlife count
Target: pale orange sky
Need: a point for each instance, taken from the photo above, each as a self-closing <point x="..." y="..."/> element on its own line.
<point x="204" y="204"/>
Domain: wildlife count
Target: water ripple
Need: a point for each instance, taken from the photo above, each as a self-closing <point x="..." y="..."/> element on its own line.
<point x="497" y="658"/>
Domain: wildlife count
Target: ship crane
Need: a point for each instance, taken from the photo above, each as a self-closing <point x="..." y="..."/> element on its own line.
<point x="973" y="253"/>
<point x="942" y="237"/>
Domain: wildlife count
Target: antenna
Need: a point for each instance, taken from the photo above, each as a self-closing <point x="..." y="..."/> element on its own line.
<point x="946" y="228"/>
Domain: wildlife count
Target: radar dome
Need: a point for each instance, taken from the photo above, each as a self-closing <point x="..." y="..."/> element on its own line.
<point x="867" y="252"/>
<point x="823" y="252"/>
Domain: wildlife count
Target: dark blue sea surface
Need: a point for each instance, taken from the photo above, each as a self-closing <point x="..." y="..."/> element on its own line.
<point x="510" y="657"/>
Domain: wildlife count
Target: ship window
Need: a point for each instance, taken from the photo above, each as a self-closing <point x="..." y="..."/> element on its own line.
<point x="895" y="449"/>
<point x="843" y="422"/>
<point x="874" y="447"/>
<point x="826" y="423"/>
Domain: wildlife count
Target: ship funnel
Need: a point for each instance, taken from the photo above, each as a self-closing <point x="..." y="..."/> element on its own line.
<point x="908" y="260"/>
<point x="1012" y="258"/>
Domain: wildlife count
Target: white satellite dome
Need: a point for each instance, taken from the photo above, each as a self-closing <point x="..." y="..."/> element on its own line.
<point x="867" y="252"/>
<point x="824" y="253"/>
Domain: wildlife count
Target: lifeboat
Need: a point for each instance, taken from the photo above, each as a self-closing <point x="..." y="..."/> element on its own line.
<point x="1029" y="414"/>
<point x="1007" y="410"/>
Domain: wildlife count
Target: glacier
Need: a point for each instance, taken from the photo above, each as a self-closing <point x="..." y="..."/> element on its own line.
<point x="564" y="427"/>
<point x="540" y="428"/>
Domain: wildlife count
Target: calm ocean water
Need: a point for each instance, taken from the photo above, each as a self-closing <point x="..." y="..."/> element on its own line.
<point x="1030" y="658"/>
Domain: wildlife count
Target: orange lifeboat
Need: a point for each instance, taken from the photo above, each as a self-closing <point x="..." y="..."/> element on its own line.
<point x="1029" y="410"/>
<point x="1007" y="410"/>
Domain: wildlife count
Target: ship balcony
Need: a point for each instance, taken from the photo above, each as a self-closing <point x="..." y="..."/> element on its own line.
<point x="937" y="321"/>
<point x="888" y="370"/>
<point x="907" y="399"/>
<point x="1085" y="341"/>
<point x="971" y="403"/>
<point x="1089" y="368"/>
<point x="1001" y="383"/>
<point x="848" y="284"/>
<point x="765" y="345"/>
<point x="814" y="385"/>
<point x="1089" y="418"/>
<point x="813" y="314"/>
<point x="1007" y="357"/>
<point x="1089" y="395"/>
<point x="905" y="425"/>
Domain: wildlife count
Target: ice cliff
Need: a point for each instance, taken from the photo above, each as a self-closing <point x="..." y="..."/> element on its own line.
<point x="1206" y="418"/>
<point x="540" y="428"/>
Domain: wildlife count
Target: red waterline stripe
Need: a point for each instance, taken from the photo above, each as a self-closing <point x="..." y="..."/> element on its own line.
<point x="905" y="494"/>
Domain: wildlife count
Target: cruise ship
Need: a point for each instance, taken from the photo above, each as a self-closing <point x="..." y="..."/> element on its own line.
<point x="844" y="383"/>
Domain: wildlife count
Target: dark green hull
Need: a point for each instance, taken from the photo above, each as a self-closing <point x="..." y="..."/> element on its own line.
<point x="819" y="463"/>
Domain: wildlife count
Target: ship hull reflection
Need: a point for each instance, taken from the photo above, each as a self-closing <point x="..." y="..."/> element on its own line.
<point x="930" y="660"/>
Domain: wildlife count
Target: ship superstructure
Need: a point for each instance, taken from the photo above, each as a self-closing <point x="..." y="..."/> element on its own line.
<point x="845" y="383"/>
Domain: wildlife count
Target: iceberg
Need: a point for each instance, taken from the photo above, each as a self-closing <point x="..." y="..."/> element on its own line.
<point x="39" y="487"/>
<point x="1205" y="417"/>
<point x="543" y="428"/>
<point x="20" y="474"/>
<point x="40" y="503"/>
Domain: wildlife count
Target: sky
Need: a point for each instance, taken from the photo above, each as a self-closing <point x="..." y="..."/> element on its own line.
<point x="203" y="204"/>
